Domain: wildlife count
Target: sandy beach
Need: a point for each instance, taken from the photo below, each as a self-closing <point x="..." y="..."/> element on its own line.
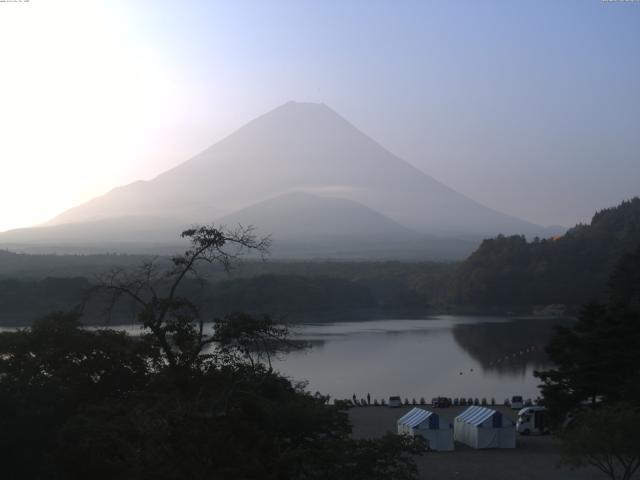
<point x="535" y="457"/>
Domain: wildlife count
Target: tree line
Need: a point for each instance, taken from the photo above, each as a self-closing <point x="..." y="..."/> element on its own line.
<point x="290" y="290"/>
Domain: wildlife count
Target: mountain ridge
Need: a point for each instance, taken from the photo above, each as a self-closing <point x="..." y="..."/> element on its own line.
<point x="298" y="147"/>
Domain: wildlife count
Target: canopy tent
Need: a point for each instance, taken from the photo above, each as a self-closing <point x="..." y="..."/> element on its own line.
<point x="437" y="432"/>
<point x="481" y="427"/>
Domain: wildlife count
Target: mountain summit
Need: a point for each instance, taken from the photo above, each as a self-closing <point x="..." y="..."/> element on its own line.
<point x="298" y="147"/>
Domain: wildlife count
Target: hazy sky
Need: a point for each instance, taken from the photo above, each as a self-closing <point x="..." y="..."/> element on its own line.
<point x="532" y="108"/>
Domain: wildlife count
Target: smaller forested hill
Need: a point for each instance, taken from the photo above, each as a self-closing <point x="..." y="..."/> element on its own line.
<point x="571" y="269"/>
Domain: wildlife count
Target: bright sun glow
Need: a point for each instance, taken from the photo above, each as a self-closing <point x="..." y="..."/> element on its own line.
<point x="80" y="99"/>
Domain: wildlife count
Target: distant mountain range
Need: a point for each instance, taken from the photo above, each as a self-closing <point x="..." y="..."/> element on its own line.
<point x="300" y="172"/>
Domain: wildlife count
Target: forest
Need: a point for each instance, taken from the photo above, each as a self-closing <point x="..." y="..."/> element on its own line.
<point x="33" y="285"/>
<point x="571" y="269"/>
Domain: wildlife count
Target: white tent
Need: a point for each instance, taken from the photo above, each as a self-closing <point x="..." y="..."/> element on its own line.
<point x="481" y="427"/>
<point x="437" y="432"/>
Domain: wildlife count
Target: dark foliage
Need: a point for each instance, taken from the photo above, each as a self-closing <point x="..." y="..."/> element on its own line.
<point x="22" y="300"/>
<point x="598" y="360"/>
<point x="289" y="289"/>
<point x="571" y="269"/>
<point x="289" y="294"/>
<point x="606" y="438"/>
<point x="52" y="371"/>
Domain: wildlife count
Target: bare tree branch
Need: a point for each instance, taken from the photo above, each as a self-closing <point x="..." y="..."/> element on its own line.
<point x="175" y="321"/>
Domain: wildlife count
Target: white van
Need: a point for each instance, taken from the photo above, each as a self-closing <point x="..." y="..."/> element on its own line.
<point x="532" y="420"/>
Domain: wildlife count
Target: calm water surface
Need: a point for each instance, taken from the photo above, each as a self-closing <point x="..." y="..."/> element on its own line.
<point x="439" y="356"/>
<point x="451" y="356"/>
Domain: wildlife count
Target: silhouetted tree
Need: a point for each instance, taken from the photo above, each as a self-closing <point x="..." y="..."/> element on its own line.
<point x="607" y="438"/>
<point x="597" y="359"/>
<point x="52" y="371"/>
<point x="174" y="320"/>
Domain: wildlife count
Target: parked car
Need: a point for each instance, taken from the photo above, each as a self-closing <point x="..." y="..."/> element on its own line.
<point x="440" y="402"/>
<point x="395" y="402"/>
<point x="532" y="420"/>
<point x="516" y="402"/>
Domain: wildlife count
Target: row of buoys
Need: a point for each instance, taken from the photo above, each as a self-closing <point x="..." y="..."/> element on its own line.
<point x="514" y="355"/>
<point x="506" y="358"/>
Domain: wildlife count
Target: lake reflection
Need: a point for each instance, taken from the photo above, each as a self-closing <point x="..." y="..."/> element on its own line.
<point x="445" y="355"/>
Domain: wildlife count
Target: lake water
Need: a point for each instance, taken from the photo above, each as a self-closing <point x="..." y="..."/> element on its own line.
<point x="451" y="356"/>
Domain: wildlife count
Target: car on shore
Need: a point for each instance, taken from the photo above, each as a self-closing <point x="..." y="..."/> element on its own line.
<point x="440" y="402"/>
<point x="395" y="402"/>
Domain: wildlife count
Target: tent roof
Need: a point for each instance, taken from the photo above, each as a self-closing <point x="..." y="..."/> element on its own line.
<point x="475" y="415"/>
<point x="415" y="417"/>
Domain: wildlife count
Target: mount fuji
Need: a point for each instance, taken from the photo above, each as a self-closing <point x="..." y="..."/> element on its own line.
<point x="301" y="172"/>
